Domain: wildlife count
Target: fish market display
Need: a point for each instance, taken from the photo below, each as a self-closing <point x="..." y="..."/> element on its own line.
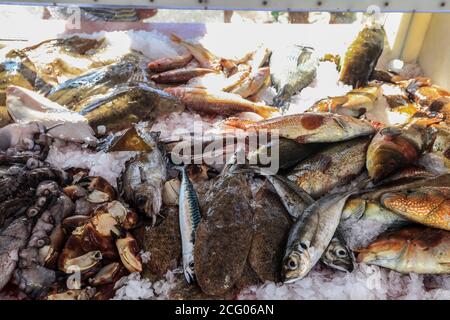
<point x="167" y="169"/>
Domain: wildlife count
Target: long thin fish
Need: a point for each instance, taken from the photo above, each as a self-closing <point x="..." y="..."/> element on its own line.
<point x="189" y="217"/>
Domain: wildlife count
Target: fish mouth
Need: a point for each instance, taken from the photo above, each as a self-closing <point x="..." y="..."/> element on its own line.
<point x="345" y="266"/>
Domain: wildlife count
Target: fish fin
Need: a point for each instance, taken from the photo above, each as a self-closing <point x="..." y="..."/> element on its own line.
<point x="360" y="209"/>
<point x="391" y="131"/>
<point x="341" y="123"/>
<point x="238" y="123"/>
<point x="265" y="111"/>
<point x="323" y="163"/>
<point x="175" y="38"/>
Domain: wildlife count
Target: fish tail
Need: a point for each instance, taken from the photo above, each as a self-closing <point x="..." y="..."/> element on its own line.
<point x="265" y="111"/>
<point x="238" y="123"/>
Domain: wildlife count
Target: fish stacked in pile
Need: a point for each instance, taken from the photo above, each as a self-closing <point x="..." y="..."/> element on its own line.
<point x="68" y="235"/>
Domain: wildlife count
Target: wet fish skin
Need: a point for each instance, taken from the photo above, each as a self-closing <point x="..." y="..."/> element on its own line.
<point x="309" y="127"/>
<point x="143" y="178"/>
<point x="310" y="236"/>
<point x="165" y="64"/>
<point x="12" y="239"/>
<point x="426" y="205"/>
<point x="362" y="57"/>
<point x="292" y="73"/>
<point x="334" y="166"/>
<point x="215" y="102"/>
<point x="294" y="199"/>
<point x="126" y="105"/>
<point x="200" y="53"/>
<point x="189" y="218"/>
<point x="355" y="103"/>
<point x="396" y="147"/>
<point x="338" y="256"/>
<point x="180" y="75"/>
<point x="253" y="83"/>
<point x="415" y="249"/>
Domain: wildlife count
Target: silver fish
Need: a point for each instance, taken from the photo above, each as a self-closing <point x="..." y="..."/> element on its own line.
<point x="189" y="217"/>
<point x="338" y="255"/>
<point x="293" y="72"/>
<point x="311" y="235"/>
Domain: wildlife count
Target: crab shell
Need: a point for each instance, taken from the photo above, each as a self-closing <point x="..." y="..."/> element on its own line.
<point x="129" y="253"/>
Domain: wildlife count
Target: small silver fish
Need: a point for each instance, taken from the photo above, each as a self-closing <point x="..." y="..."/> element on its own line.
<point x="337" y="255"/>
<point x="189" y="217"/>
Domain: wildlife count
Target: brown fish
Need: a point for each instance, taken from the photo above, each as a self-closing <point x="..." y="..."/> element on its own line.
<point x="180" y="75"/>
<point x="414" y="249"/>
<point x="310" y="127"/>
<point x="216" y="102"/>
<point x="426" y="205"/>
<point x="200" y="53"/>
<point x="334" y="166"/>
<point x="165" y="64"/>
<point x="253" y="83"/>
<point x="398" y="146"/>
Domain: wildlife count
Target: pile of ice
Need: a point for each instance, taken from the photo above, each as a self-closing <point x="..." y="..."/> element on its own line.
<point x="107" y="165"/>
<point x="364" y="283"/>
<point x="135" y="287"/>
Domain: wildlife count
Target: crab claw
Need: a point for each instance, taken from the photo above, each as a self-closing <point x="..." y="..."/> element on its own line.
<point x="108" y="274"/>
<point x="83" y="263"/>
<point x="129" y="253"/>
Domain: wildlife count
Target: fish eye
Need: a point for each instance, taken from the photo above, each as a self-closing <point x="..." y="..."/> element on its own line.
<point x="341" y="253"/>
<point x="140" y="201"/>
<point x="292" y="264"/>
<point x="191" y="265"/>
<point x="304" y="246"/>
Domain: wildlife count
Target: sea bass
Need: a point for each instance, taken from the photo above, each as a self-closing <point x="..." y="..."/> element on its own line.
<point x="309" y="127"/>
<point x="292" y="69"/>
<point x="189" y="217"/>
<point x="334" y="166"/>
<point x="426" y="205"/>
<point x="415" y="249"/>
<point x="26" y="106"/>
<point x="218" y="103"/>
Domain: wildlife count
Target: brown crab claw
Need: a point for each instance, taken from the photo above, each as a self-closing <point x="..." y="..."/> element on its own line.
<point x="95" y="238"/>
<point x="71" y="249"/>
<point x="108" y="274"/>
<point x="75" y="192"/>
<point x="73" y="222"/>
<point x="129" y="253"/>
<point x="83" y="263"/>
<point x="104" y="292"/>
<point x="99" y="184"/>
<point x="126" y="218"/>
<point x="98" y="197"/>
<point x="55" y="247"/>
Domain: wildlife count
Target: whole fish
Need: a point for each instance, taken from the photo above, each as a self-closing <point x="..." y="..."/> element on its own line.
<point x="144" y="176"/>
<point x="362" y="57"/>
<point x="165" y="64"/>
<point x="126" y="105"/>
<point x="334" y="166"/>
<point x="26" y="106"/>
<point x="216" y="102"/>
<point x="426" y="205"/>
<point x="292" y="69"/>
<point x="189" y="217"/>
<point x="97" y="82"/>
<point x="396" y="147"/>
<point x="310" y="236"/>
<point x="253" y="83"/>
<point x="200" y="53"/>
<point x="337" y="255"/>
<point x="180" y="75"/>
<point x="355" y="103"/>
<point x="415" y="249"/>
<point x="309" y="127"/>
